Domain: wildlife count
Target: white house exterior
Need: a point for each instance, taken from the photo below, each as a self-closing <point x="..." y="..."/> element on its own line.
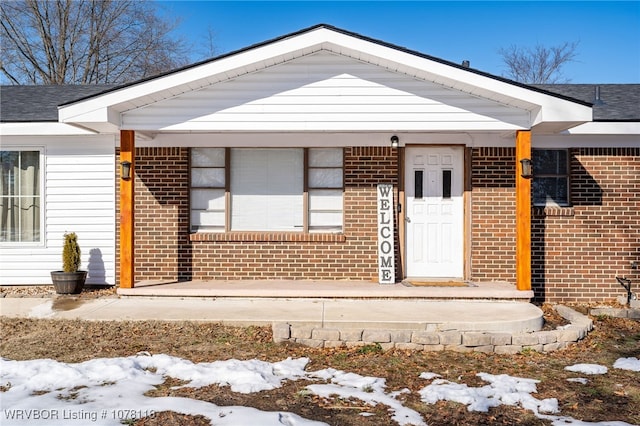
<point x="320" y="106"/>
<point x="74" y="170"/>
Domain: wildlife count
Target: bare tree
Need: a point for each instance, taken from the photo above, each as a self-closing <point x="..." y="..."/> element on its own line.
<point x="85" y="41"/>
<point x="540" y="64"/>
<point x="208" y="48"/>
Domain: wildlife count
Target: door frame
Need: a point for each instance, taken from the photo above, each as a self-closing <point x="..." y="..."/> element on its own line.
<point x="466" y="203"/>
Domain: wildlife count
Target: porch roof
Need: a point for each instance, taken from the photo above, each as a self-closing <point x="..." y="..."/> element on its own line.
<point x="611" y="102"/>
<point x="549" y="112"/>
<point x="28" y="104"/>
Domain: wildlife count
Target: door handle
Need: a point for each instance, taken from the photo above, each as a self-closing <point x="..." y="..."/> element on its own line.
<point x="407" y="219"/>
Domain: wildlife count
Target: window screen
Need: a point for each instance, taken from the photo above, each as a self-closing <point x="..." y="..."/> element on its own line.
<point x="325" y="189"/>
<point x="550" y="177"/>
<point x="20" y="196"/>
<point x="208" y="189"/>
<point x="267" y="189"/>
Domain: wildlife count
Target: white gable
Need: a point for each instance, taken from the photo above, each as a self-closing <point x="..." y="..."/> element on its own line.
<point x="406" y="73"/>
<point x="325" y="92"/>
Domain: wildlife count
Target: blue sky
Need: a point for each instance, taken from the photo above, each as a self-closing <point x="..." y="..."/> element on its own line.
<point x="608" y="32"/>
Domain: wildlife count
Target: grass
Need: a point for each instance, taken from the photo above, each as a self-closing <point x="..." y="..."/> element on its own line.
<point x="609" y="397"/>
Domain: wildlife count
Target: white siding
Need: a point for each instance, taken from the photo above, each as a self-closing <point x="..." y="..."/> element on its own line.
<point x="547" y="112"/>
<point x="326" y="92"/>
<point x="79" y="196"/>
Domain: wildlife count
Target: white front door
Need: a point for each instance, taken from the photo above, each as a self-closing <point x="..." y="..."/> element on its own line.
<point x="434" y="184"/>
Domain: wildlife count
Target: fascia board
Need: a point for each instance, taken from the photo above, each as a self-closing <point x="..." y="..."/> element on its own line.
<point x="91" y="110"/>
<point x="42" y="129"/>
<point x="607" y="128"/>
<point x="566" y="140"/>
<point x="559" y="110"/>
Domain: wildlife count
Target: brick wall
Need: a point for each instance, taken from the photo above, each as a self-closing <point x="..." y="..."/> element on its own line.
<point x="162" y="248"/>
<point x="166" y="250"/>
<point x="578" y="251"/>
<point x="493" y="203"/>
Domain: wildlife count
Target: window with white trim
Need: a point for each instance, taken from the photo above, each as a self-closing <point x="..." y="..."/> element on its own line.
<point x="325" y="189"/>
<point x="266" y="189"/>
<point x="20" y="197"/>
<point x="550" y="184"/>
<point x="208" y="187"/>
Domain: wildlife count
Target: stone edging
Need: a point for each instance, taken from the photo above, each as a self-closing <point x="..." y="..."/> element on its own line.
<point x="459" y="341"/>
<point x="632" y="313"/>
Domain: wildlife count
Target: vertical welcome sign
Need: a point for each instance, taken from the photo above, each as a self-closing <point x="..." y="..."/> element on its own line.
<point x="386" y="252"/>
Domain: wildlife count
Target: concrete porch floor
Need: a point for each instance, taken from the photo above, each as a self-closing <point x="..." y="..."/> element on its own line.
<point x="325" y="289"/>
<point x="343" y="304"/>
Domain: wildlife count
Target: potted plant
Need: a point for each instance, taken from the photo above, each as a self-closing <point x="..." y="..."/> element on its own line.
<point x="70" y="280"/>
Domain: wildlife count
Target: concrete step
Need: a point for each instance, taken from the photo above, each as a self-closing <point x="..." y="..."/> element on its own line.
<point x="325" y="289"/>
<point x="429" y="315"/>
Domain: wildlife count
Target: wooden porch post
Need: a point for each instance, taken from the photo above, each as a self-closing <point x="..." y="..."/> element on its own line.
<point x="401" y="215"/>
<point x="523" y="213"/>
<point x="127" y="151"/>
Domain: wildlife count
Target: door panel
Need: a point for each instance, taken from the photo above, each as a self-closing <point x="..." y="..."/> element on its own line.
<point x="435" y="216"/>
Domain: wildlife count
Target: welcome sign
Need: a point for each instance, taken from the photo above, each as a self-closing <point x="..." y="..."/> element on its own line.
<point x="386" y="250"/>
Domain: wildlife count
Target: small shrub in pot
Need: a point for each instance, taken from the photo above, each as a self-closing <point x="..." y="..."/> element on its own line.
<point x="70" y="280"/>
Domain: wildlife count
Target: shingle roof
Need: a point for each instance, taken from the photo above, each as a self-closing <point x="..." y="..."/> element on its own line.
<point x="40" y="103"/>
<point x="618" y="102"/>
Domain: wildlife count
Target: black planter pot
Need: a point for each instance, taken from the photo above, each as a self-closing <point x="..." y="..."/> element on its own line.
<point x="68" y="282"/>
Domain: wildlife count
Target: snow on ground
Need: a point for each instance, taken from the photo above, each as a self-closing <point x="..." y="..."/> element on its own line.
<point x="587" y="368"/>
<point x="502" y="389"/>
<point x="632" y="364"/>
<point x="580" y="380"/>
<point x="110" y="391"/>
<point x="107" y="391"/>
<point x="43" y="310"/>
<point x="367" y="389"/>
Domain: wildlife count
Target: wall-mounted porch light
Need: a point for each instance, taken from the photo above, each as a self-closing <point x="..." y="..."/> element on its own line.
<point x="527" y="168"/>
<point x="395" y="141"/>
<point x="125" y="170"/>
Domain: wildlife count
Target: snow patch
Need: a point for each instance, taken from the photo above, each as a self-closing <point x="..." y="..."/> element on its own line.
<point x="110" y="391"/>
<point x="632" y="364"/>
<point x="502" y="389"/>
<point x="587" y="368"/>
<point x="370" y="390"/>
<point x="581" y="380"/>
<point x="43" y="310"/>
<point x="429" y="376"/>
